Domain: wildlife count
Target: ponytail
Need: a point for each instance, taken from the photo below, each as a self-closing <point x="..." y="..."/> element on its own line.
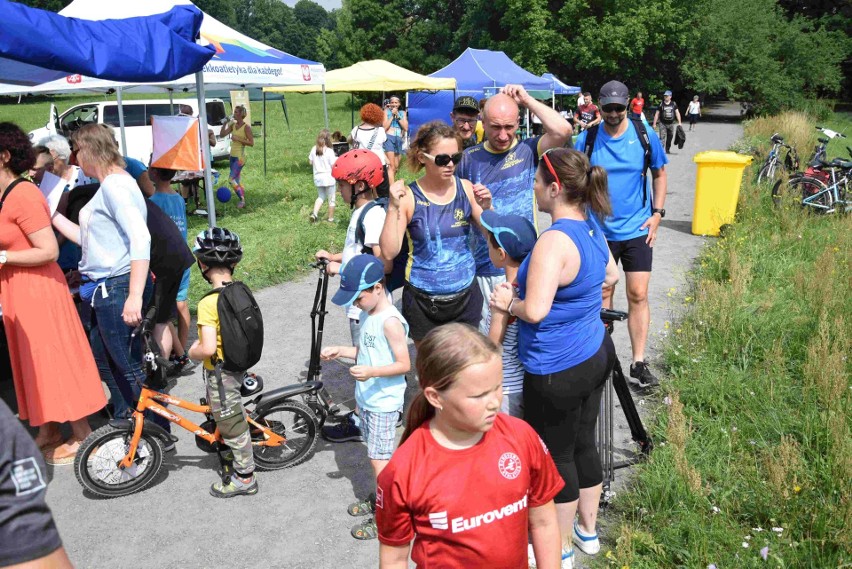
<point x="323" y="141"/>
<point x="441" y="356"/>
<point x="582" y="184"/>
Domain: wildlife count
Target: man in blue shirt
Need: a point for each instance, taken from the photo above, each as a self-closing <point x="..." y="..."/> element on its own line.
<point x="507" y="168"/>
<point x="631" y="231"/>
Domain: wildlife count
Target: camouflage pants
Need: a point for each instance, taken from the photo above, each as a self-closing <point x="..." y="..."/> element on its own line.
<point x="226" y="405"/>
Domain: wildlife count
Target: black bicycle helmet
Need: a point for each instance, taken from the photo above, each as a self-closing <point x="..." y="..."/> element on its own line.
<point x="218" y="247"/>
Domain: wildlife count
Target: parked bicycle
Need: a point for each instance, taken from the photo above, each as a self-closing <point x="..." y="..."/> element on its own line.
<point x="775" y="164"/>
<point x="125" y="455"/>
<point x="817" y="193"/>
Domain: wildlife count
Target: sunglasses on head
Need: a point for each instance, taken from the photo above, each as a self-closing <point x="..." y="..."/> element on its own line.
<point x="550" y="168"/>
<point x="613" y="108"/>
<point x="444" y="159"/>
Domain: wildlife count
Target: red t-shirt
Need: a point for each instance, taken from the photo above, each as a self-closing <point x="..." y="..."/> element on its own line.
<point x="467" y="508"/>
<point x="587" y="112"/>
<point x="636" y="105"/>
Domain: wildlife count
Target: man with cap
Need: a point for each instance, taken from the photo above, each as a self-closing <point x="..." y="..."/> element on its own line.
<point x="465" y="116"/>
<point x="381" y="362"/>
<point x="637" y="208"/>
<point x="507" y="166"/>
<point x="666" y="114"/>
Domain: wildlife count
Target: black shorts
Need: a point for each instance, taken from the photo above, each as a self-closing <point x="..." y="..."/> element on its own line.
<point x="422" y="318"/>
<point x="165" y="298"/>
<point x="635" y="255"/>
<point x="693" y="118"/>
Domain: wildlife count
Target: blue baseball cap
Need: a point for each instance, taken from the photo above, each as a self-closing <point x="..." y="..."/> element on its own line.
<point x="515" y="234"/>
<point x="667" y="94"/>
<point x="360" y="273"/>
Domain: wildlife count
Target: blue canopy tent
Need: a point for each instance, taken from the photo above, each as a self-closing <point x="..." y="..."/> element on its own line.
<point x="477" y="72"/>
<point x="155" y="48"/>
<point x="558" y="87"/>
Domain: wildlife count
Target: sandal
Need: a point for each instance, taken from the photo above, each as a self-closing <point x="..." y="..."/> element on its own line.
<point x="44" y="445"/>
<point x="366" y="530"/>
<point x="62" y="454"/>
<point x="362" y="507"/>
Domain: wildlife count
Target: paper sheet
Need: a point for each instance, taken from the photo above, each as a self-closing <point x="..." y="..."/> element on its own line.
<point x="52" y="187"/>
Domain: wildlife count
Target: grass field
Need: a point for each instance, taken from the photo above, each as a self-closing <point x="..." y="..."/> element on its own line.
<point x="754" y="436"/>
<point x="277" y="238"/>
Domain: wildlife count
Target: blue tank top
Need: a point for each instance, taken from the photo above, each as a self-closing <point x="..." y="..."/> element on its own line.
<point x="440" y="260"/>
<point x="572" y="331"/>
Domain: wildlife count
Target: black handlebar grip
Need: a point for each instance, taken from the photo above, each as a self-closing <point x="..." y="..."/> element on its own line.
<point x="608" y="315"/>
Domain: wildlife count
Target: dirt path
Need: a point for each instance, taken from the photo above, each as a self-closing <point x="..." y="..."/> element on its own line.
<point x="298" y="519"/>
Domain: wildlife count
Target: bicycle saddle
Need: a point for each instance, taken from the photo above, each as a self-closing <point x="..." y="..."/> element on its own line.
<point x="777" y="138"/>
<point x="822" y="140"/>
<point x="840" y="163"/>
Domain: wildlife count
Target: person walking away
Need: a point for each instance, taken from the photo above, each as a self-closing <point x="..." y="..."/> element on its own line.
<point x="562" y="343"/>
<point x="395" y="125"/>
<point x="637" y="106"/>
<point x="322" y="160"/>
<point x="54" y="373"/>
<point x="587" y="115"/>
<point x="510" y="240"/>
<point x="638" y="206"/>
<point x="506" y="167"/>
<point x="370" y="135"/>
<point x="358" y="173"/>
<point x="693" y="111"/>
<point x="461" y="464"/>
<point x="173" y="343"/>
<point x="218" y="251"/>
<point x="437" y="212"/>
<point x="241" y="137"/>
<point x="381" y="362"/>
<point x="465" y="119"/>
<point x="667" y="113"/>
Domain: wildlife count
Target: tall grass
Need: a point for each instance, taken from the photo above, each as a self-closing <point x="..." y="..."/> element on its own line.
<point x="754" y="452"/>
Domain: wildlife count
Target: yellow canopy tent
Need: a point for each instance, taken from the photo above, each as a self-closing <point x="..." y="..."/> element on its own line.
<point x="373" y="75"/>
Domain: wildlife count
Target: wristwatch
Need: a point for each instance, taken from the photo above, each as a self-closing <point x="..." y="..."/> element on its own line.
<point x="2" y="258"/>
<point x="661" y="211"/>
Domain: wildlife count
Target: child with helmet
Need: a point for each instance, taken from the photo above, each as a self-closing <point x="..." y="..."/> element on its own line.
<point x="218" y="251"/>
<point x="358" y="173"/>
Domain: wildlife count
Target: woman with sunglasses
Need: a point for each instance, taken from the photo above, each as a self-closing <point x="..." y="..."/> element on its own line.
<point x="437" y="213"/>
<point x="561" y="342"/>
<point x="55" y="376"/>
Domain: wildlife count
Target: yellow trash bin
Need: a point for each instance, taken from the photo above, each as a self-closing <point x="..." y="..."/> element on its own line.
<point x="717" y="189"/>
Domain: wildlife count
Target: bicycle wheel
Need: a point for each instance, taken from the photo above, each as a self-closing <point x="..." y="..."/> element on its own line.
<point x="797" y="189"/>
<point x="297" y="424"/>
<point x="768" y="172"/>
<point x="96" y="464"/>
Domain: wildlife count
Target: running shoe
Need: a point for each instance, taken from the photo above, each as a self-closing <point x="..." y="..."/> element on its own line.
<point x="588" y="544"/>
<point x="343" y="432"/>
<point x="641" y="376"/>
<point x="234" y="487"/>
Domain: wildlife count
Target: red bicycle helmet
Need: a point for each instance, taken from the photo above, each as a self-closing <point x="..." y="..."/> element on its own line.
<point x="358" y="165"/>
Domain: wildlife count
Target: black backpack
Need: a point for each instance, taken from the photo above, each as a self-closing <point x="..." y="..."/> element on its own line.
<point x="592" y="135"/>
<point x="240" y="325"/>
<point x="396" y="278"/>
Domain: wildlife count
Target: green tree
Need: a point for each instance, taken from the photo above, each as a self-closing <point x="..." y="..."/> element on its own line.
<point x="222" y="10"/>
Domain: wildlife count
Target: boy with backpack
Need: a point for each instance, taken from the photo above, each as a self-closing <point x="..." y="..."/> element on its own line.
<point x="225" y="315"/>
<point x="510" y="240"/>
<point x="382" y="361"/>
<point x="358" y="173"/>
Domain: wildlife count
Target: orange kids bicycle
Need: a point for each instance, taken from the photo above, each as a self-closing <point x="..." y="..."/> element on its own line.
<point x="125" y="455"/>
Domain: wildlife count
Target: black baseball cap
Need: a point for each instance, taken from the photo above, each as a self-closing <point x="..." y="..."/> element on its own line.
<point x="614" y="93"/>
<point x="466" y="104"/>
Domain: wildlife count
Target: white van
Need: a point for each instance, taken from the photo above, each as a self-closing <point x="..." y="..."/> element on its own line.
<point x="137" y="122"/>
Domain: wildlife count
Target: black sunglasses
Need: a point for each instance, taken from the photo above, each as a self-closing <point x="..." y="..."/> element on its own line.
<point x="613" y="108"/>
<point x="444" y="159"/>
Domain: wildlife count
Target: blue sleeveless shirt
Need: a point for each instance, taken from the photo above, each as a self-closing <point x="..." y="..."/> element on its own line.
<point x="440" y="260"/>
<point x="572" y="331"/>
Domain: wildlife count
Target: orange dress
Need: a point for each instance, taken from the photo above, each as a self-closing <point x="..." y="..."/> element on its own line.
<point x="55" y="375"/>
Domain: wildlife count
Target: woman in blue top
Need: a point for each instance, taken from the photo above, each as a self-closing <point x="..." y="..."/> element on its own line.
<point x="435" y="214"/>
<point x="562" y="343"/>
<point x="396" y="125"/>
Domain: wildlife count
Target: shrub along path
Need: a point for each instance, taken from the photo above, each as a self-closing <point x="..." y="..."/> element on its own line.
<point x="299" y="518"/>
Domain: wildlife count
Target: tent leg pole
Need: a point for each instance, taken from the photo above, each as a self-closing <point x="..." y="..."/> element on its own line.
<point x="352" y="107"/>
<point x="121" y="120"/>
<point x="325" y="105"/>
<point x="171" y="102"/>
<point x="264" y="133"/>
<point x="205" y="144"/>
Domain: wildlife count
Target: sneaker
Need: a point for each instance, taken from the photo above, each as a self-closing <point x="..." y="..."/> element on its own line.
<point x="169" y="446"/>
<point x="344" y="431"/>
<point x="313" y="218"/>
<point x="181" y="365"/>
<point x="588" y="544"/>
<point x="641" y="376"/>
<point x="363" y="507"/>
<point x="567" y="558"/>
<point x="242" y="204"/>
<point x="234" y="487"/>
<point x="365" y="530"/>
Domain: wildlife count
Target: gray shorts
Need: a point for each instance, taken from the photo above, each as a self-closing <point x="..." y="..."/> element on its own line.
<point x="379" y="431"/>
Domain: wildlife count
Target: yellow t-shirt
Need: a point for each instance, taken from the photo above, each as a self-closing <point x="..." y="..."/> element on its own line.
<point x="238" y="149"/>
<point x="208" y="315"/>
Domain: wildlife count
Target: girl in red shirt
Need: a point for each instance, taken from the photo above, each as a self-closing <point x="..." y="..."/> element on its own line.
<point x="637" y="104"/>
<point x="467" y="484"/>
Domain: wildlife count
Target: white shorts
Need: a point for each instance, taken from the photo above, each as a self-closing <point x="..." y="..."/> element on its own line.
<point x="326" y="193"/>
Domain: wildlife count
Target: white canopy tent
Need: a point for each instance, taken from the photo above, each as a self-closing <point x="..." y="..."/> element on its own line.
<point x="240" y="62"/>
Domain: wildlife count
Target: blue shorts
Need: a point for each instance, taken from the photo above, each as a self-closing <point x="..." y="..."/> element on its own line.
<point x="393" y="144"/>
<point x="379" y="430"/>
<point x="183" y="289"/>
